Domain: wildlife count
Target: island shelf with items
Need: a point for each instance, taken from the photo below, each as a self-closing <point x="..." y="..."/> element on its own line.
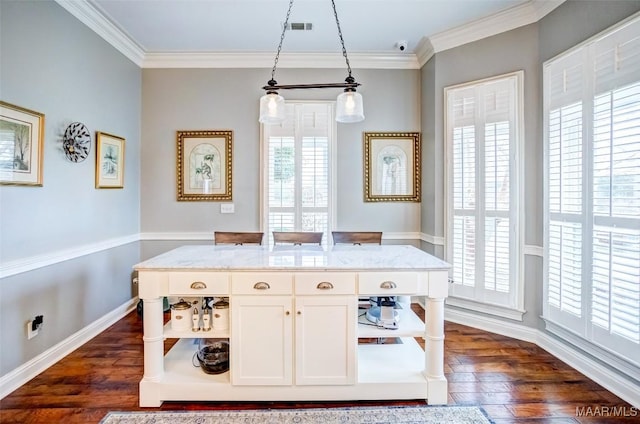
<point x="295" y="329"/>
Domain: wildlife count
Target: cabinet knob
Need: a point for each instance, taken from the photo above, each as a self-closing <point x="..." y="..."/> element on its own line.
<point x="261" y="285"/>
<point x="324" y="285"/>
<point x="388" y="285"/>
<point x="287" y="313"/>
<point x="198" y="285"/>
<point x="299" y="313"/>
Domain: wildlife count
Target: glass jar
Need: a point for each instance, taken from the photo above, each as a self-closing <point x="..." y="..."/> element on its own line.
<point x="213" y="355"/>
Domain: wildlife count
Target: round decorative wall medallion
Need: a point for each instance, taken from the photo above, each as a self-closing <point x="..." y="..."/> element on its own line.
<point x="76" y="142"/>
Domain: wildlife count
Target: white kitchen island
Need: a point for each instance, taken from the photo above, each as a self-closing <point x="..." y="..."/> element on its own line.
<point x="295" y="324"/>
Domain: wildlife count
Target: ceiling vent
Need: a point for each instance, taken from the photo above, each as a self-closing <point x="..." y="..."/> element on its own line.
<point x="300" y="26"/>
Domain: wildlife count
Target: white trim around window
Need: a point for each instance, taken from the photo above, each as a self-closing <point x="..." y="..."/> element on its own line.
<point x="484" y="194"/>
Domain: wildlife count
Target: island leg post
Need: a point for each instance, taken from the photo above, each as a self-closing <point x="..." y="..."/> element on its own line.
<point x="434" y="352"/>
<point x="153" y="340"/>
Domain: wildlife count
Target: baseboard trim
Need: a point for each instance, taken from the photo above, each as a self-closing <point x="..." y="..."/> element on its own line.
<point x="27" y="371"/>
<point x="622" y="387"/>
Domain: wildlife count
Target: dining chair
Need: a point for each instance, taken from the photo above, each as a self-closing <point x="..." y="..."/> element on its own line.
<point x="357" y="237"/>
<point x="297" y="237"/>
<point x="237" y="238"/>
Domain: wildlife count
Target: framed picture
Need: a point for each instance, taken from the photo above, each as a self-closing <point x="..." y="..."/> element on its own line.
<point x="109" y="161"/>
<point x="21" y="145"/>
<point x="391" y="167"/>
<point x="204" y="165"/>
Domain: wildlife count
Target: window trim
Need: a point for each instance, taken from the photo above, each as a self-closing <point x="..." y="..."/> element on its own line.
<point x="517" y="310"/>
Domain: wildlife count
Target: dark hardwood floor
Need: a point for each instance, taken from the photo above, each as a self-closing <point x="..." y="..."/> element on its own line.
<point x="514" y="381"/>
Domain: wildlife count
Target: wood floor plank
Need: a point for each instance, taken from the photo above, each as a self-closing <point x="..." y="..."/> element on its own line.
<point x="514" y="381"/>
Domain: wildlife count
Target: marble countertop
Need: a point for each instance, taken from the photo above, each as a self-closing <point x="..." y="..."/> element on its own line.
<point x="312" y="258"/>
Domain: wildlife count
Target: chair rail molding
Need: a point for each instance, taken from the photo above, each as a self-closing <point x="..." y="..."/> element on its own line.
<point x="30" y="263"/>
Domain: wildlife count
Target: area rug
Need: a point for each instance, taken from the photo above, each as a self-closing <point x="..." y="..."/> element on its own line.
<point x="359" y="415"/>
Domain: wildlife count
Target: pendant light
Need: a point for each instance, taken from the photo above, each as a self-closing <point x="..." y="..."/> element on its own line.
<point x="348" y="104"/>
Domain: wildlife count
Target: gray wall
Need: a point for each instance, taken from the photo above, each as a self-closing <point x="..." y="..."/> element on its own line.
<point x="54" y="64"/>
<point x="209" y="99"/>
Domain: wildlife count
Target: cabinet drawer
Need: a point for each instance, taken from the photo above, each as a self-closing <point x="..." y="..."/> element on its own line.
<point x="261" y="283"/>
<point x="199" y="283"/>
<point x="392" y="283"/>
<point x="325" y="283"/>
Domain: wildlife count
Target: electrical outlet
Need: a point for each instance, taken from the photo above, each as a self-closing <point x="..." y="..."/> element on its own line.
<point x="31" y="333"/>
<point x="227" y="208"/>
<point x="33" y="326"/>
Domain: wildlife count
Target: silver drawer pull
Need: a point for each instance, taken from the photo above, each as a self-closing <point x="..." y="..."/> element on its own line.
<point x="388" y="285"/>
<point x="261" y="285"/>
<point x="198" y="285"/>
<point x="324" y="285"/>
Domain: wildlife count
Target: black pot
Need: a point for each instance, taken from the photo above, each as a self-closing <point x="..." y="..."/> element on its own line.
<point x="214" y="359"/>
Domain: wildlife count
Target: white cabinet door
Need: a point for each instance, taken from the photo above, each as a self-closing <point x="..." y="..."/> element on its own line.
<point x="261" y="340"/>
<point x="326" y="340"/>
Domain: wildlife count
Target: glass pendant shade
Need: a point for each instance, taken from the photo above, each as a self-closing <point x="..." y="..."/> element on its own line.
<point x="271" y="108"/>
<point x="349" y="107"/>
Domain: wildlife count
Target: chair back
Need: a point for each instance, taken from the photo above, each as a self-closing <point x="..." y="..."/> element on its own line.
<point x="357" y="237"/>
<point x="238" y="238"/>
<point x="297" y="237"/>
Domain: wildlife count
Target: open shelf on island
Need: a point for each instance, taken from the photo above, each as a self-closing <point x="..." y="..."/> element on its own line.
<point x="409" y="325"/>
<point x="170" y="333"/>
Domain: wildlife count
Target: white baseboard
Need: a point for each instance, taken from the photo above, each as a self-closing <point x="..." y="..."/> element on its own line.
<point x="21" y="375"/>
<point x="622" y="387"/>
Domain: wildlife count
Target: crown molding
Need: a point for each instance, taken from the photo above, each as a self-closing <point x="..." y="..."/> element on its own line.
<point x="424" y="51"/>
<point x="286" y="60"/>
<point x="507" y="20"/>
<point x="89" y="15"/>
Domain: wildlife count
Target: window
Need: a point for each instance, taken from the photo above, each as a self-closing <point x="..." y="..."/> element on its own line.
<point x="483" y="240"/>
<point x="297" y="166"/>
<point x="592" y="191"/>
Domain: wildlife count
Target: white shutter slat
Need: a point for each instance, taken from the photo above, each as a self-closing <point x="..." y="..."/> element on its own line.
<point x="616" y="286"/>
<point x="464" y="167"/>
<point x="497" y="166"/>
<point x="497" y="275"/>
<point x="565" y="267"/>
<point x="464" y="250"/>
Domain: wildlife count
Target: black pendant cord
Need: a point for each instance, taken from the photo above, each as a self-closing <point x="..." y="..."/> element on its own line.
<point x="284" y="30"/>
<point x="344" y="50"/>
<point x="272" y="85"/>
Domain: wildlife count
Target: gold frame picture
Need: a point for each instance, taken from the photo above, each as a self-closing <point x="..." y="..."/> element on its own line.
<point x="391" y="166"/>
<point x="204" y="165"/>
<point x="21" y="146"/>
<point x="109" y="160"/>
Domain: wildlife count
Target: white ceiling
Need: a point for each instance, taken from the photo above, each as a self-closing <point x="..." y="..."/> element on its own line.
<point x="145" y="28"/>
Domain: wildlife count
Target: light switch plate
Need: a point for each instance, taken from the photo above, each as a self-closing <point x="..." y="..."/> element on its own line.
<point x="226" y="208"/>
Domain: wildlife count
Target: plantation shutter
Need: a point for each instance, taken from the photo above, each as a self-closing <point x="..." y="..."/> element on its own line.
<point x="482" y="242"/>
<point x="615" y="294"/>
<point x="592" y="110"/>
<point x="565" y="174"/>
<point x="298" y="177"/>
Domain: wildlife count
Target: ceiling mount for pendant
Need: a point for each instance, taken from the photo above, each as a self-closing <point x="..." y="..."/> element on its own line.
<point x="349" y="103"/>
